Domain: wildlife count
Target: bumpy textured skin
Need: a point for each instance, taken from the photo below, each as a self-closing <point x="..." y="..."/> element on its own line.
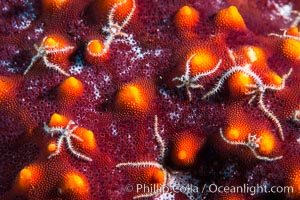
<point x="155" y="51"/>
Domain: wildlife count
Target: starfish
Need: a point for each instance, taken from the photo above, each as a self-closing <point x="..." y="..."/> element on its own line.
<point x="65" y="134"/>
<point x="114" y="29"/>
<point x="190" y="82"/>
<point x="257" y="90"/>
<point x="43" y="51"/>
<point x="252" y="143"/>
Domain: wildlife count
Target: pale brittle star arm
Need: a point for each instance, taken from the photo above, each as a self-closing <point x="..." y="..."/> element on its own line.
<point x="75" y="152"/>
<point x="159" y="139"/>
<point x="260" y="93"/>
<point x="269" y="114"/>
<point x="207" y="73"/>
<point x="252" y="144"/>
<point x="43" y="51"/>
<point x="114" y="29"/>
<point x="54" y="66"/>
<point x="190" y="82"/>
<point x="58" y="147"/>
<point x="66" y="133"/>
<point x="229" y="73"/>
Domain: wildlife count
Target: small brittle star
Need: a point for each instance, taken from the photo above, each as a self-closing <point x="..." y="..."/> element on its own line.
<point x="253" y="143"/>
<point x="65" y="134"/>
<point x="156" y="164"/>
<point x="257" y="90"/>
<point x="43" y="51"/>
<point x="169" y="177"/>
<point x="190" y="82"/>
<point x="114" y="29"/>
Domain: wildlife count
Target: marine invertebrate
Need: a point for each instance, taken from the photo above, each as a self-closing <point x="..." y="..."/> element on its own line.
<point x="258" y="90"/>
<point x="161" y="175"/>
<point x="253" y="143"/>
<point x="191" y="82"/>
<point x="66" y="133"/>
<point x="50" y="45"/>
<point x="154" y="173"/>
<point x="113" y="28"/>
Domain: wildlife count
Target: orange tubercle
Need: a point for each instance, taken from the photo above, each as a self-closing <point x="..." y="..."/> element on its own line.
<point x="58" y="42"/>
<point x="186" y="17"/>
<point x="151" y="175"/>
<point x="29" y="177"/>
<point x="255" y="54"/>
<point x="294" y="181"/>
<point x="238" y="124"/>
<point x="54" y="42"/>
<point x="70" y="90"/>
<point x="74" y="184"/>
<point x="135" y="97"/>
<point x="238" y="84"/>
<point x="51" y="42"/>
<point x="54" y="5"/>
<point x="267" y="142"/>
<point x="203" y="61"/>
<point x="104" y="6"/>
<point x="95" y="47"/>
<point x="290" y="49"/>
<point x="185" y="151"/>
<point x="51" y="147"/>
<point x="237" y="132"/>
<point x="7" y="87"/>
<point x="58" y="120"/>
<point x="88" y="138"/>
<point x="293" y="31"/>
<point x="230" y="19"/>
<point x="94" y="52"/>
<point x="232" y="134"/>
<point x="273" y="79"/>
